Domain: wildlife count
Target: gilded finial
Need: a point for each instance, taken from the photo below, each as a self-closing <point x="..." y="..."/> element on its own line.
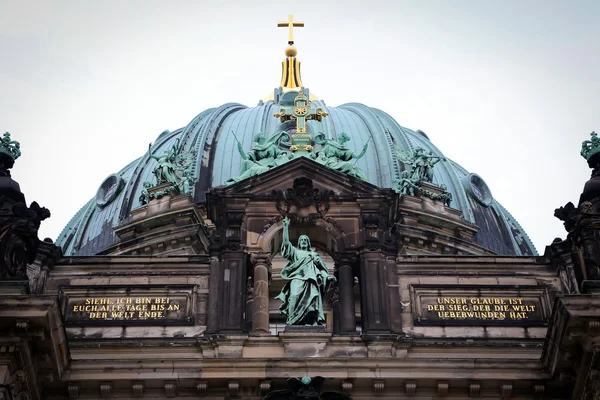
<point x="290" y="67"/>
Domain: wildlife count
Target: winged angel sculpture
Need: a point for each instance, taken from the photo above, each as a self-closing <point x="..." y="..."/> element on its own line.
<point x="420" y="164"/>
<point x="172" y="168"/>
<point x="419" y="168"/>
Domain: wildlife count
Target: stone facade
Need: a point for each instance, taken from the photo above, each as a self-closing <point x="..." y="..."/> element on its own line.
<point x="183" y="306"/>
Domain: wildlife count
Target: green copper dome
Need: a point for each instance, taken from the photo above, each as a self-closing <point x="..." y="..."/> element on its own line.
<point x="208" y="136"/>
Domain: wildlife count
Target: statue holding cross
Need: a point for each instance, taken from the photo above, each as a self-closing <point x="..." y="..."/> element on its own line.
<point x="301" y="111"/>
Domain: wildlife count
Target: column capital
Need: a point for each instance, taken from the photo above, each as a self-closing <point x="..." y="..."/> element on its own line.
<point x="342" y="258"/>
<point x="261" y="258"/>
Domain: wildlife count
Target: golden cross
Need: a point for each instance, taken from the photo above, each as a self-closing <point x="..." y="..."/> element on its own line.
<point x="290" y="23"/>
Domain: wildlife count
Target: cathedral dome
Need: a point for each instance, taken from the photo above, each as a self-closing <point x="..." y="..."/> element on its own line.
<point x="209" y="137"/>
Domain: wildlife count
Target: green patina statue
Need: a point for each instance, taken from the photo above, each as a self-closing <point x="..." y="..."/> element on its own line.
<point x="337" y="156"/>
<point x="421" y="165"/>
<point x="10" y="150"/>
<point x="165" y="168"/>
<point x="406" y="185"/>
<point x="308" y="281"/>
<point x="172" y="168"/>
<point x="264" y="155"/>
<point x="419" y="169"/>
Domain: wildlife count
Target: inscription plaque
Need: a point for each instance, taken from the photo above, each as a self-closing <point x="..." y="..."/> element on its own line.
<point x="471" y="305"/>
<point x="128" y="306"/>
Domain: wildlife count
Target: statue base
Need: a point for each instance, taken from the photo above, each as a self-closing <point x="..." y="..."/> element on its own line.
<point x="305" y="341"/>
<point x="304" y="329"/>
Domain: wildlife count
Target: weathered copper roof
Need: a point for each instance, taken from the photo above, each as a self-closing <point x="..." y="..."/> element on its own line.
<point x="217" y="159"/>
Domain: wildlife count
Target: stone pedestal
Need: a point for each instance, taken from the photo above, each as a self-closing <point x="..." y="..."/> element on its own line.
<point x="172" y="224"/>
<point x="305" y="341"/>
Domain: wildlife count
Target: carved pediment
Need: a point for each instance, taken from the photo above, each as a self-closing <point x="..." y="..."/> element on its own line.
<point x="283" y="176"/>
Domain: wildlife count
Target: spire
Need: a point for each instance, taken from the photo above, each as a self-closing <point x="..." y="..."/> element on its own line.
<point x="290" y="67"/>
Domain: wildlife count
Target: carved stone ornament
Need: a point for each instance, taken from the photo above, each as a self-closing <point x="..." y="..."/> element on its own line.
<point x="301" y="197"/>
<point x="333" y="294"/>
<point x="18" y="386"/>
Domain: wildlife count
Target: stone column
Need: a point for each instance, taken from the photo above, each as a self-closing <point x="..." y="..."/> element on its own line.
<point x="346" y="287"/>
<point x="214" y="286"/>
<point x="260" y="316"/>
<point x="374" y="293"/>
<point x="344" y="263"/>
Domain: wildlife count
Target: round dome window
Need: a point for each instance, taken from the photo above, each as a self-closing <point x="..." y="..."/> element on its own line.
<point x="477" y="189"/>
<point x="108" y="190"/>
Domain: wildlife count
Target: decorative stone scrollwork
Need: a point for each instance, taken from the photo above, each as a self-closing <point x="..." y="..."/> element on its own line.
<point x="347" y="387"/>
<point x="170" y="390"/>
<point x="378" y="386"/>
<point x="506" y="390"/>
<point x="345" y="258"/>
<point x="106" y="390"/>
<point x="138" y="389"/>
<point x="202" y="387"/>
<point x="73" y="391"/>
<point x="333" y="294"/>
<point x="410" y="388"/>
<point x="234" y="388"/>
<point x="303" y="196"/>
<point x="474" y="390"/>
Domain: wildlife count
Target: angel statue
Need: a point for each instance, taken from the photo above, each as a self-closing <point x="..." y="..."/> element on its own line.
<point x="307" y="281"/>
<point x="171" y="165"/>
<point x="336" y="155"/>
<point x="421" y="164"/>
<point x="264" y="155"/>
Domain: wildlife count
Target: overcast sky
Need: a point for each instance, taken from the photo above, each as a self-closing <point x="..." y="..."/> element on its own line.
<point x="508" y="89"/>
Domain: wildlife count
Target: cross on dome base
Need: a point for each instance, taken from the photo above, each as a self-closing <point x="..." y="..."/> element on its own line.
<point x="301" y="111"/>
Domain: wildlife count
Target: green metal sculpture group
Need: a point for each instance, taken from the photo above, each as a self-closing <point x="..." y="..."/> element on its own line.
<point x="419" y="168"/>
<point x="267" y="154"/>
<point x="171" y="171"/>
